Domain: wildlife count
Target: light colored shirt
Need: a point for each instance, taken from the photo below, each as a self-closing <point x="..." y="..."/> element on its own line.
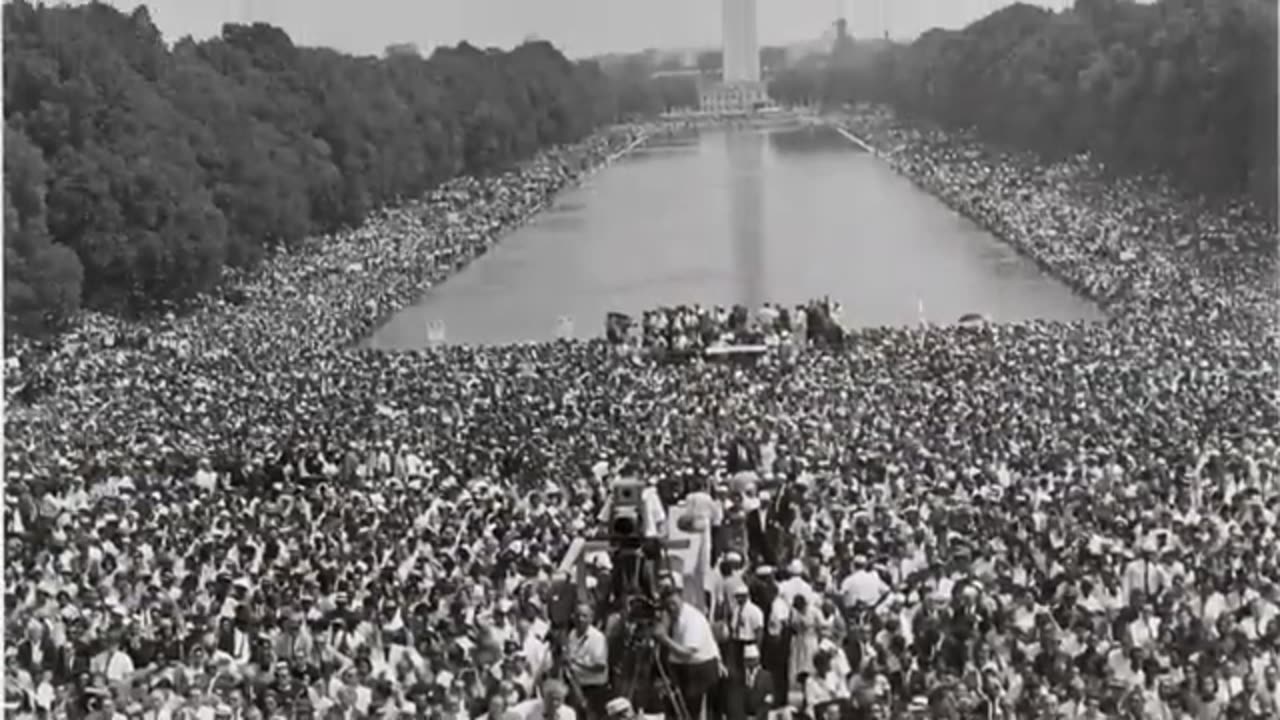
<point x="863" y="586"/>
<point x="206" y="480"/>
<point x="534" y="710"/>
<point x="655" y="515"/>
<point x="589" y="650"/>
<point x="825" y="689"/>
<point x="1150" y="577"/>
<point x="746" y="622"/>
<point x="779" y="613"/>
<point x="115" y="664"/>
<point x="693" y="631"/>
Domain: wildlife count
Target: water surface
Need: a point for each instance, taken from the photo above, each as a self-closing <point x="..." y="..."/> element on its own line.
<point x="736" y="216"/>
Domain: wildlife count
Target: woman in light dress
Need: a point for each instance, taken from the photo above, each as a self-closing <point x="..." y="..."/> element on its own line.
<point x="806" y="635"/>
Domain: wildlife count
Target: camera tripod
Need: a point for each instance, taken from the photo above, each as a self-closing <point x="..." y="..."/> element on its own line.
<point x="646" y="664"/>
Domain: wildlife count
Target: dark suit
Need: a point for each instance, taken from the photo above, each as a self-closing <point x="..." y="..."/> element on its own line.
<point x="142" y="651"/>
<point x="73" y="661"/>
<point x="50" y="657"/>
<point x="750" y="698"/>
<point x="759" y="546"/>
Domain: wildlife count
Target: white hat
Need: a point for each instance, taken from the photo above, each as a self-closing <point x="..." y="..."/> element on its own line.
<point x="751" y="651"/>
<point x="618" y="706"/>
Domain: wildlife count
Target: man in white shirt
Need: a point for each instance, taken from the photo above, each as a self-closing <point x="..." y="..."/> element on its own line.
<point x="205" y="479"/>
<point x="550" y="707"/>
<point x="413" y="467"/>
<point x="587" y="656"/>
<point x="112" y="662"/>
<point x="532" y="636"/>
<point x="864" y="586"/>
<point x="694" y="653"/>
<point x="796" y="584"/>
<point x="655" y="514"/>
<point x="746" y="626"/>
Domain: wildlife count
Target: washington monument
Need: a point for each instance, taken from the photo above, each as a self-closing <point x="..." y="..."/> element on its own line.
<point x="741" y="41"/>
<point x="739" y="89"/>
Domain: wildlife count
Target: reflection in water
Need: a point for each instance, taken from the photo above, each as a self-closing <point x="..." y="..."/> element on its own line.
<point x="689" y="224"/>
<point x="746" y="214"/>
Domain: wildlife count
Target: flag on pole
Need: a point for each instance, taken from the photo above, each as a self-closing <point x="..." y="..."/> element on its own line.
<point x="920" y="311"/>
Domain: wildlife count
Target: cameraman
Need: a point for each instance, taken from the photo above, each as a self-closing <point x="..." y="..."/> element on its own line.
<point x="694" y="655"/>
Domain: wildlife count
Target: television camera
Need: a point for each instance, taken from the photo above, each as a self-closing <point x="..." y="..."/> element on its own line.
<point x="633" y="603"/>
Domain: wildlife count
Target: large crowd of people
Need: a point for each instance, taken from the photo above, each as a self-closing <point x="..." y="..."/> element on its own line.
<point x="694" y="329"/>
<point x="237" y="514"/>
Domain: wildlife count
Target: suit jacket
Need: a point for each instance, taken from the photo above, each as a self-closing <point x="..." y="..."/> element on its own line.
<point x="750" y="699"/>
<point x="143" y="651"/>
<point x="73" y="661"/>
<point x="237" y="643"/>
<point x="50" y="657"/>
<point x="758" y="543"/>
<point x="297" y="646"/>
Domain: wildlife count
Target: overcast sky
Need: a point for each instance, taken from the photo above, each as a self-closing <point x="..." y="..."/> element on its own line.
<point x="579" y="27"/>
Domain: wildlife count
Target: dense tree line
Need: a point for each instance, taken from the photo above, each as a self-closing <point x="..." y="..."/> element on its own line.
<point x="639" y="92"/>
<point x="1183" y="87"/>
<point x="136" y="171"/>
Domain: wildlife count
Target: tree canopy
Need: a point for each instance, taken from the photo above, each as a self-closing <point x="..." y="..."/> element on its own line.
<point x="137" y="171"/>
<point x="1181" y="87"/>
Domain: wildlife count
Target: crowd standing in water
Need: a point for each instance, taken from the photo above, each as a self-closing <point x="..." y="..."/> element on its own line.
<point x="233" y="514"/>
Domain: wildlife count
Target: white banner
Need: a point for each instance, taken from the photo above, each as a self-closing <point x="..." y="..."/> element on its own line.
<point x="436" y="332"/>
<point x="564" y="328"/>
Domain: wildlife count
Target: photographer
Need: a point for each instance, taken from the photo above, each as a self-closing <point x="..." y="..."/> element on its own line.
<point x="587" y="665"/>
<point x="694" y="655"/>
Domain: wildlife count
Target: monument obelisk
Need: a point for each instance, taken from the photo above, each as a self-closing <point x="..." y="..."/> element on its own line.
<point x="740" y="89"/>
<point x="741" y="44"/>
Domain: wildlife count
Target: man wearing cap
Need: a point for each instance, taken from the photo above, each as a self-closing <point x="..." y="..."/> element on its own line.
<point x="745" y="626"/>
<point x="776" y="642"/>
<point x="751" y="694"/>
